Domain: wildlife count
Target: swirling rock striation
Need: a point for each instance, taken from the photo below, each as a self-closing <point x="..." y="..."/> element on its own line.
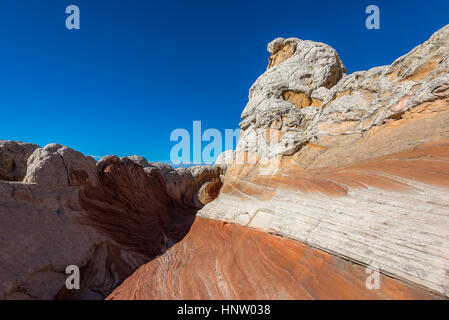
<point x="60" y="208"/>
<point x="218" y="260"/>
<point x="363" y="175"/>
<point x="352" y="171"/>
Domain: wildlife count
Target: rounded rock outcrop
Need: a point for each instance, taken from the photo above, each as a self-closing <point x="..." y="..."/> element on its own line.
<point x="13" y="159"/>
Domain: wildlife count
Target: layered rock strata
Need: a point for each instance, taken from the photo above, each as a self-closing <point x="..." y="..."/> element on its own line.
<point x="363" y="176"/>
<point x="218" y="260"/>
<point x="352" y="171"/>
<point x="60" y="208"/>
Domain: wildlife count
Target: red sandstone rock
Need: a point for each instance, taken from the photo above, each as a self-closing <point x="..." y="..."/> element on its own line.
<point x="106" y="218"/>
<point x="135" y="209"/>
<point x="361" y="172"/>
<point x="218" y="260"/>
<point x="358" y="176"/>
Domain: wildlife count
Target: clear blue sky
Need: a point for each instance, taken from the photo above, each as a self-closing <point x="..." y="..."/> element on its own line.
<point x="138" y="69"/>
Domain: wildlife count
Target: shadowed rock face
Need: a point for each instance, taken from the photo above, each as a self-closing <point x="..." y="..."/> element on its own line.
<point x="107" y="218"/>
<point x="217" y="260"/>
<point x="135" y="209"/>
<point x="209" y="191"/>
<point x="13" y="159"/>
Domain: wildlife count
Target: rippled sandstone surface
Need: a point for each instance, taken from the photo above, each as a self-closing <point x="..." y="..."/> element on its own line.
<point x="350" y="170"/>
<point x="333" y="173"/>
<point x="220" y="260"/>
<point x="108" y="218"/>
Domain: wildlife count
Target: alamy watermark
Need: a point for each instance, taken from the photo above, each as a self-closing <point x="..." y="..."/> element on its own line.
<point x="372" y="282"/>
<point x="73" y="20"/>
<point x="189" y="148"/>
<point x="373" y="20"/>
<point x="73" y="280"/>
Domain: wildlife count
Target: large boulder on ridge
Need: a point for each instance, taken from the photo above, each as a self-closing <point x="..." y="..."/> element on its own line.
<point x="335" y="176"/>
<point x="13" y="159"/>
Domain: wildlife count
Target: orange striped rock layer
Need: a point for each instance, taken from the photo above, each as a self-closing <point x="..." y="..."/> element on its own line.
<point x="219" y="260"/>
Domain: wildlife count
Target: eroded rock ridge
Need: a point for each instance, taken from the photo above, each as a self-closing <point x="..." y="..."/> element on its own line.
<point x="353" y="169"/>
<point x="60" y="208"/>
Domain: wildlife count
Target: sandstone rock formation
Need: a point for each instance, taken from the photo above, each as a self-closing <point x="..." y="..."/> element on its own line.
<point x="13" y="159"/>
<point x="350" y="170"/>
<point x="107" y="218"/>
<point x="225" y="159"/>
<point x="141" y="161"/>
<point x="364" y="176"/>
<point x="333" y="173"/>
<point x="59" y="166"/>
<point x="195" y="186"/>
<point x="218" y="260"/>
<point x="286" y="95"/>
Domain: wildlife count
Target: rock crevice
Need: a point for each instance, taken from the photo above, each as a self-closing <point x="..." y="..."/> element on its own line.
<point x="107" y="218"/>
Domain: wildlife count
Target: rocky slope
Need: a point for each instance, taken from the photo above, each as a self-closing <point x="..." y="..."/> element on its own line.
<point x="60" y="208"/>
<point x="218" y="260"/>
<point x="349" y="170"/>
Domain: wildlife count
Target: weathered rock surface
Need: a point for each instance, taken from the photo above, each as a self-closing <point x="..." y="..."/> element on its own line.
<point x="352" y="169"/>
<point x="195" y="185"/>
<point x="210" y="190"/>
<point x="141" y="161"/>
<point x="332" y="173"/>
<point x="287" y="110"/>
<point x="13" y="159"/>
<point x="219" y="260"/>
<point x="277" y="97"/>
<point x="59" y="166"/>
<point x="107" y="218"/>
<point x="225" y="159"/>
<point x="364" y="176"/>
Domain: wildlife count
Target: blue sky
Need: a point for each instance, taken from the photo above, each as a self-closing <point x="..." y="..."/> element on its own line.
<point x="136" y="70"/>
